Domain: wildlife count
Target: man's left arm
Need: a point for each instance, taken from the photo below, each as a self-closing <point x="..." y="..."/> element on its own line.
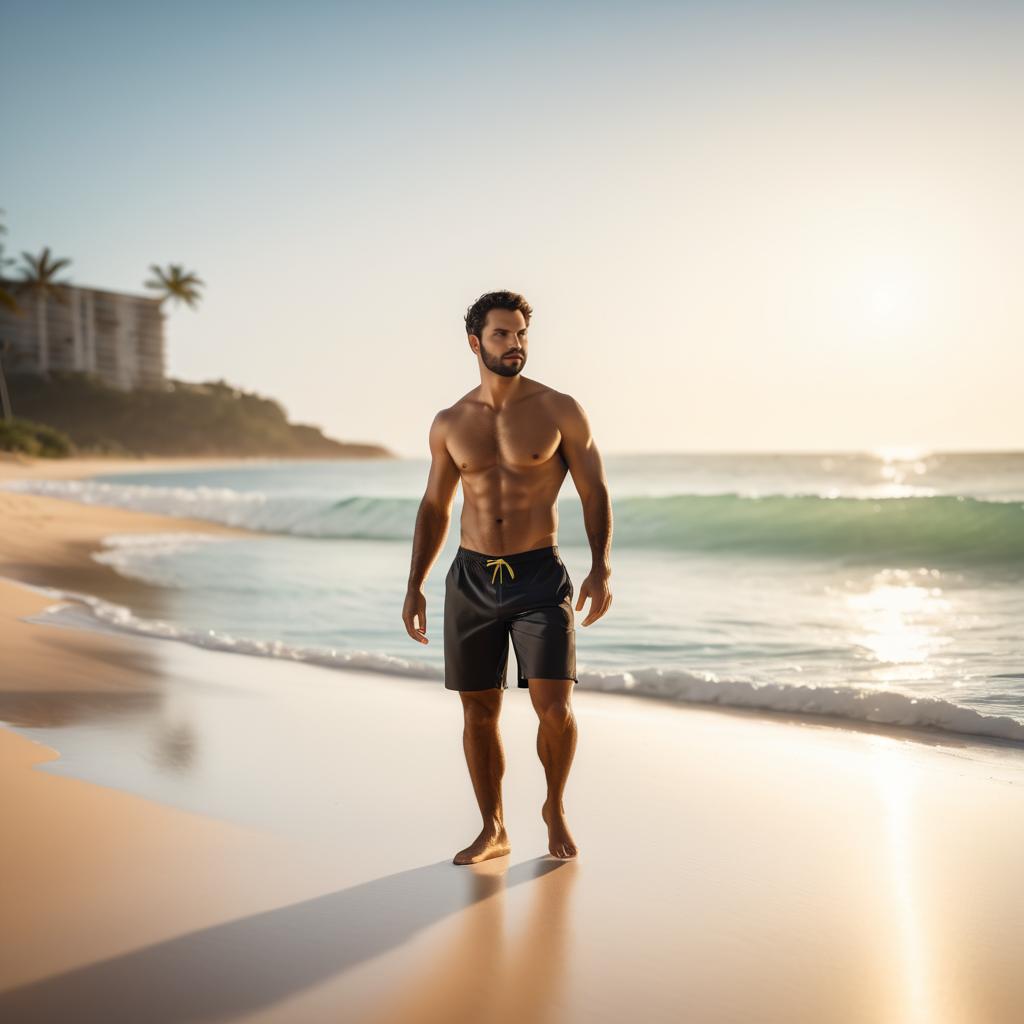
<point x="580" y="452"/>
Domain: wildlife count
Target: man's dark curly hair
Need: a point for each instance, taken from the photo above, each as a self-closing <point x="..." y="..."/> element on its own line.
<point x="476" y="315"/>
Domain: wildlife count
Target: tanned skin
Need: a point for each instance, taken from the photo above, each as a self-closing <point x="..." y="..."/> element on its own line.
<point x="511" y="442"/>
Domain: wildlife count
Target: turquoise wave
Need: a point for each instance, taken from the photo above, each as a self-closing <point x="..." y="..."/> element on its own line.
<point x="934" y="530"/>
<point x="946" y="528"/>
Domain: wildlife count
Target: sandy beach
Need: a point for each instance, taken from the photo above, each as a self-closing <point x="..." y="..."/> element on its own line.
<point x="201" y="835"/>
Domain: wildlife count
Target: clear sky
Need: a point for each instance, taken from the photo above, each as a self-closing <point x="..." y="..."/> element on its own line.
<point x="742" y="226"/>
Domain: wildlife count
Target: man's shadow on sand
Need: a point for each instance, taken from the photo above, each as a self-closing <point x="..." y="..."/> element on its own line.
<point x="477" y="973"/>
<point x="251" y="964"/>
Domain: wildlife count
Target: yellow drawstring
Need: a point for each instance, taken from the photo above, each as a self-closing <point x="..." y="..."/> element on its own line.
<point x="499" y="565"/>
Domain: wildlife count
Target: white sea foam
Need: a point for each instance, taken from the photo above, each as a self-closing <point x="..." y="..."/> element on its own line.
<point x="859" y="704"/>
<point x="127" y="552"/>
<point x="95" y="613"/>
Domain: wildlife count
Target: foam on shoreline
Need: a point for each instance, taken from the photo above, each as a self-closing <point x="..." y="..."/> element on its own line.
<point x="856" y="704"/>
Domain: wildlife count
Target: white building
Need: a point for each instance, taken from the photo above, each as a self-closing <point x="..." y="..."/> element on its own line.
<point x="118" y="337"/>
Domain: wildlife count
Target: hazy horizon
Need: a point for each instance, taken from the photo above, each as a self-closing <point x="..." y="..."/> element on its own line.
<point x="744" y="228"/>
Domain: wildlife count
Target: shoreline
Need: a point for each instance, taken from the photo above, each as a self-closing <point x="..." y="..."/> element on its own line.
<point x="81" y="529"/>
<point x="56" y="538"/>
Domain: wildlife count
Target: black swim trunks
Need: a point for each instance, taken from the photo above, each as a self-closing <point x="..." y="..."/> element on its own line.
<point x="487" y="598"/>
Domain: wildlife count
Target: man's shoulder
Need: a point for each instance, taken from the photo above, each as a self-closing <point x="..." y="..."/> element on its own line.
<point x="459" y="405"/>
<point x="556" y="400"/>
<point x="450" y="415"/>
<point x="562" y="402"/>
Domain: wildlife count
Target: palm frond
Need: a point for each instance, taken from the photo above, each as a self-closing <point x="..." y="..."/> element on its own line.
<point x="38" y="272"/>
<point x="176" y="283"/>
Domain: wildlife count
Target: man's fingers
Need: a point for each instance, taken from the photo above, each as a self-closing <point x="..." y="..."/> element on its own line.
<point x="596" y="611"/>
<point x="411" y="620"/>
<point x="590" y="615"/>
<point x="585" y="593"/>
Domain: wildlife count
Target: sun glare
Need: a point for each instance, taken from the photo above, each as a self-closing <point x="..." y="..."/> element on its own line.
<point x="892" y="303"/>
<point x="901" y="623"/>
<point x="888" y="297"/>
<point x="900" y="453"/>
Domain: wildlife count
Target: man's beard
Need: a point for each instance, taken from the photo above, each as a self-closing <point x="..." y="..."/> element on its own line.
<point x="502" y="366"/>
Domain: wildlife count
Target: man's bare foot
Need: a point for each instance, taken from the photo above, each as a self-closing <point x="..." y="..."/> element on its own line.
<point x="490" y="843"/>
<point x="560" y="841"/>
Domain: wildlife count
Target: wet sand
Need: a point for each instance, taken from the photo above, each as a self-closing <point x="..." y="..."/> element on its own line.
<point x="236" y="838"/>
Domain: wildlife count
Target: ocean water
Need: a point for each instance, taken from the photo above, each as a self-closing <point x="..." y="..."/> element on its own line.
<point x="877" y="587"/>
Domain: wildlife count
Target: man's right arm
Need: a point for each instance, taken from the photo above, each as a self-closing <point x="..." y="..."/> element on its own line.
<point x="432" y="521"/>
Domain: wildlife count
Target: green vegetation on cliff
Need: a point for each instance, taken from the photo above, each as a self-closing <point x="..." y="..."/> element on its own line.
<point x="37" y="439"/>
<point x="210" y="418"/>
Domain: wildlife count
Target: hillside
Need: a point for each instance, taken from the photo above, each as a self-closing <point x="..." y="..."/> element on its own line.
<point x="209" y="418"/>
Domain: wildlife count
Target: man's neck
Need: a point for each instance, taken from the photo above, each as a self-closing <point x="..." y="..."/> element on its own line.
<point x="496" y="390"/>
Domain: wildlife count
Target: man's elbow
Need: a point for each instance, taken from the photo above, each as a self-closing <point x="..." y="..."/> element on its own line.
<point x="593" y="491"/>
<point x="435" y="508"/>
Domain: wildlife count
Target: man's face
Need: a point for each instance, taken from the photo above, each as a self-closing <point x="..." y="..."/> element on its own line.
<point x="504" y="335"/>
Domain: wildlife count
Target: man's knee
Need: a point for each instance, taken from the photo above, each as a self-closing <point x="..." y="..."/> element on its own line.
<point x="556" y="715"/>
<point x="481" y="709"/>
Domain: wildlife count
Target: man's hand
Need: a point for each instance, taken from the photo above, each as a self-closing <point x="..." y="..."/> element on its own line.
<point x="595" y="586"/>
<point x="415" y="610"/>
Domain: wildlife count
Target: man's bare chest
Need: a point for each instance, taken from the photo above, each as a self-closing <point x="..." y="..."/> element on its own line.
<point x="484" y="439"/>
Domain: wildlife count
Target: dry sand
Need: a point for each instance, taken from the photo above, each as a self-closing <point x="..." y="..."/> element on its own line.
<point x="232" y="838"/>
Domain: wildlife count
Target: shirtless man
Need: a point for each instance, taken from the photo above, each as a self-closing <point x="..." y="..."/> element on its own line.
<point x="511" y="441"/>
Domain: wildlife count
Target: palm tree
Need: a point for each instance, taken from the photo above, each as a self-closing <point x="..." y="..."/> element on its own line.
<point x="38" y="279"/>
<point x="175" y="284"/>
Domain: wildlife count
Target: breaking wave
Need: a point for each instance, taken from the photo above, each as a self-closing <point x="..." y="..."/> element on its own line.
<point x="939" y="529"/>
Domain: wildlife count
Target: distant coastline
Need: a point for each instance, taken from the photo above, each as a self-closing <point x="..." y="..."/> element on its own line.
<point x="180" y="419"/>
